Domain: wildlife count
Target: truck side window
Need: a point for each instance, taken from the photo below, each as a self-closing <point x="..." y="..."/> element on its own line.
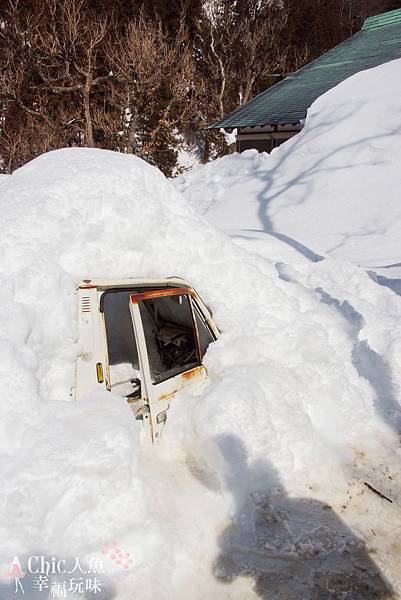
<point x="170" y="336"/>
<point x="121" y="342"/>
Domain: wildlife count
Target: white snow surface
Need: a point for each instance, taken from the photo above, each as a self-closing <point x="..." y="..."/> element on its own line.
<point x="334" y="188"/>
<point x="257" y="489"/>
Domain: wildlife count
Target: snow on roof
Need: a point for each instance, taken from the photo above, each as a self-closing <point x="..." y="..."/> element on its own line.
<point x="378" y="42"/>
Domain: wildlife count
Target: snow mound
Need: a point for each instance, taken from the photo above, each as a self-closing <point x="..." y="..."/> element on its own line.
<point x="333" y="188"/>
<point x="295" y="397"/>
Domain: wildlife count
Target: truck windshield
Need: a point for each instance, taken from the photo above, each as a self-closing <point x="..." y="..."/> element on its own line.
<point x="170" y="336"/>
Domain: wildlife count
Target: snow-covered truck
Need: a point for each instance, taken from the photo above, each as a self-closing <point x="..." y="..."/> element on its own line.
<point x="142" y="339"/>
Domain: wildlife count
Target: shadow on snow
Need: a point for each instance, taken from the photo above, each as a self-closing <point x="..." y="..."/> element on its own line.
<point x="293" y="548"/>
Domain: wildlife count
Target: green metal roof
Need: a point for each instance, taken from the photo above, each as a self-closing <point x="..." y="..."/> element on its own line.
<point x="388" y="18"/>
<point x="378" y="42"/>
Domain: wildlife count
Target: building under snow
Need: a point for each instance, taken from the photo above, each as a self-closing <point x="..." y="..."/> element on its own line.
<point x="278" y="113"/>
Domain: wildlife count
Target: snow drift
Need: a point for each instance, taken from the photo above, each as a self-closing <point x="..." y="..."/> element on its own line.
<point x="334" y="188"/>
<point x="260" y="473"/>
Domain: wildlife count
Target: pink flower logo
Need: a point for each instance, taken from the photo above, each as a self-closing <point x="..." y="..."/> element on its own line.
<point x="117" y="555"/>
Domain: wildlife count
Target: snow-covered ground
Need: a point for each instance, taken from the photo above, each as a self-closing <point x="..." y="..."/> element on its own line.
<point x="321" y="205"/>
<point x="258" y="488"/>
<point x="334" y="188"/>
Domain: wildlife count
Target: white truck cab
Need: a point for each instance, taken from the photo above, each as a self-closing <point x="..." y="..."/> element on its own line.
<point x="142" y="339"/>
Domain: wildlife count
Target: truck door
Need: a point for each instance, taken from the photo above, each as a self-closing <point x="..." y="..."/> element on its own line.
<point x="171" y="338"/>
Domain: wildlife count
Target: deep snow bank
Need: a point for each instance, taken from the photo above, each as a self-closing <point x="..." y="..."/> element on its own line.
<point x="292" y="403"/>
<point x="334" y="188"/>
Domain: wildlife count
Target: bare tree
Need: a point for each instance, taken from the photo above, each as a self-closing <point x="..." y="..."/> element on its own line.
<point x="239" y="52"/>
<point x="53" y="64"/>
<point x="152" y="84"/>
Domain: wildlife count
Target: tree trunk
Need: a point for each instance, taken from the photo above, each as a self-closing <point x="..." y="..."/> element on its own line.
<point x="206" y="149"/>
<point x="132" y="130"/>
<point x="87" y="115"/>
<point x="248" y="90"/>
